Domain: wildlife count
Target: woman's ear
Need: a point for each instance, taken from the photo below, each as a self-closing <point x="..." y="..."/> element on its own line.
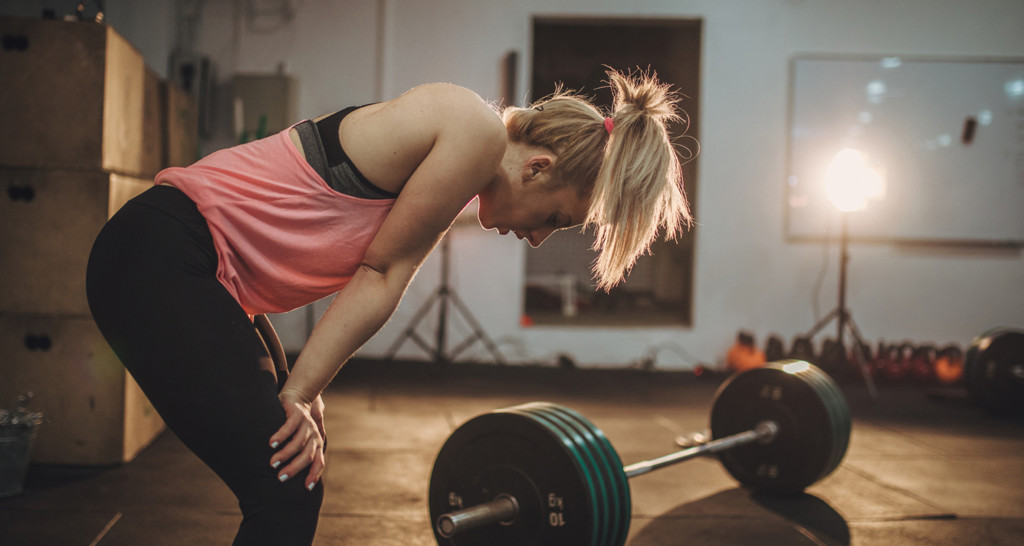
<point x="537" y="165"/>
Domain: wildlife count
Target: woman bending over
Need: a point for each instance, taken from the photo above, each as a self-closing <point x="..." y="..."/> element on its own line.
<point x="350" y="203"/>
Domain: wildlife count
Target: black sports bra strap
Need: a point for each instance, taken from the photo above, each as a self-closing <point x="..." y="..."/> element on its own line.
<point x="341" y="173"/>
<point x="328" y="128"/>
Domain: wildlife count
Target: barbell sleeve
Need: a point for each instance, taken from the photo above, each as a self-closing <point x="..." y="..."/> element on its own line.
<point x="764" y="432"/>
<point x="503" y="509"/>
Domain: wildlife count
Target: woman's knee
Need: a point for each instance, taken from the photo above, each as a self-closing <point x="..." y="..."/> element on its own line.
<point x="286" y="501"/>
<point x="284" y="515"/>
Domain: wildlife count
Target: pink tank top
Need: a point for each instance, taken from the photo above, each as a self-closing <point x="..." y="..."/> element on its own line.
<point x="283" y="237"/>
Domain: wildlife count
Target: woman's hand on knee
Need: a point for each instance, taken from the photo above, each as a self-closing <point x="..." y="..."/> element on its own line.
<point x="300" y="440"/>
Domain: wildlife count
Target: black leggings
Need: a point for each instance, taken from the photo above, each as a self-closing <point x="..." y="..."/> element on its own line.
<point x="154" y="294"/>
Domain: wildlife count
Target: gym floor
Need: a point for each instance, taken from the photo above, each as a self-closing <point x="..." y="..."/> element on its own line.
<point x="923" y="467"/>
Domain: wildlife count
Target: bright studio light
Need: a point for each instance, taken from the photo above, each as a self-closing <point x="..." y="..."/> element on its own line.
<point x="850" y="181"/>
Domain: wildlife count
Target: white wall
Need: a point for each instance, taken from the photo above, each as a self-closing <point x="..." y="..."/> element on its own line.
<point x="747" y="276"/>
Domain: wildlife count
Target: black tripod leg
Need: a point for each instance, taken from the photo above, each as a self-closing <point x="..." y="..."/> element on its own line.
<point x="822" y="323"/>
<point x="442" y="295"/>
<point x="862" y="361"/>
<point x="478" y="332"/>
<point x="410" y="330"/>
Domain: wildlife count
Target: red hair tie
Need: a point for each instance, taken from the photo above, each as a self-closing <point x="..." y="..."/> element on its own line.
<point x="609" y="125"/>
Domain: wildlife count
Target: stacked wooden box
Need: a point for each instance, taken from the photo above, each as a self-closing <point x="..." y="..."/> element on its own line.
<point x="86" y="127"/>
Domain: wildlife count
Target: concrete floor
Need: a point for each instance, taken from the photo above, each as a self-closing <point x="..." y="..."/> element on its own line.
<point x="920" y="469"/>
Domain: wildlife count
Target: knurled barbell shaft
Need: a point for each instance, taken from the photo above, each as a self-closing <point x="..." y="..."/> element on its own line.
<point x="504" y="508"/>
<point x="763" y="432"/>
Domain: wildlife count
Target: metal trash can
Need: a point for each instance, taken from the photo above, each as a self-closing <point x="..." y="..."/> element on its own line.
<point x="15" y="449"/>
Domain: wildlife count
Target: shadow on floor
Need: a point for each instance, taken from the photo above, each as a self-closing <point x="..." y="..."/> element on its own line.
<point x="736" y="516"/>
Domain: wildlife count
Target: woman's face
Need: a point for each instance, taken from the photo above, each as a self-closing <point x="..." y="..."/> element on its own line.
<point x="527" y="207"/>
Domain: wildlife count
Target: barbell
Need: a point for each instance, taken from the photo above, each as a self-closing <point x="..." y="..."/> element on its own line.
<point x="542" y="474"/>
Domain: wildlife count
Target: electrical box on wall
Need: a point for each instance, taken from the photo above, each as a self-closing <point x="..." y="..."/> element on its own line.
<point x="264" y="104"/>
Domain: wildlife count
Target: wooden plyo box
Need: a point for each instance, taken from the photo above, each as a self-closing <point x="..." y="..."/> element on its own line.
<point x="72" y="97"/>
<point x="48" y="221"/>
<point x="95" y="412"/>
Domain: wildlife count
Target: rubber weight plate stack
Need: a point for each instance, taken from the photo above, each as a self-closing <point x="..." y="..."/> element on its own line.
<point x="529" y="453"/>
<point x="811" y="413"/>
<point x="994" y="371"/>
<point x="622" y="509"/>
<point x="612" y="504"/>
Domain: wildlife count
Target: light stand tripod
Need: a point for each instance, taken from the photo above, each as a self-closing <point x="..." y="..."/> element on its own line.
<point x="844" y="316"/>
<point x="442" y="295"/>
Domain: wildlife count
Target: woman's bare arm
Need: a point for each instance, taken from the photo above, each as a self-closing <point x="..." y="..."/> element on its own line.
<point x="469" y="142"/>
<point x="466" y="148"/>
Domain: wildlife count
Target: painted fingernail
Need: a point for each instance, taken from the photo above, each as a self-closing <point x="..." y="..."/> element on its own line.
<point x="283" y="477"/>
<point x="275" y="444"/>
<point x="275" y="464"/>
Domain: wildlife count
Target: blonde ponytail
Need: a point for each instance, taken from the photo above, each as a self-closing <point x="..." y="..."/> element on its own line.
<point x="631" y="174"/>
<point x="638" y="189"/>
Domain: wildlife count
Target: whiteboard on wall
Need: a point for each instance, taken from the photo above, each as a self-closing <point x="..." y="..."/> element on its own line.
<point x="947" y="134"/>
